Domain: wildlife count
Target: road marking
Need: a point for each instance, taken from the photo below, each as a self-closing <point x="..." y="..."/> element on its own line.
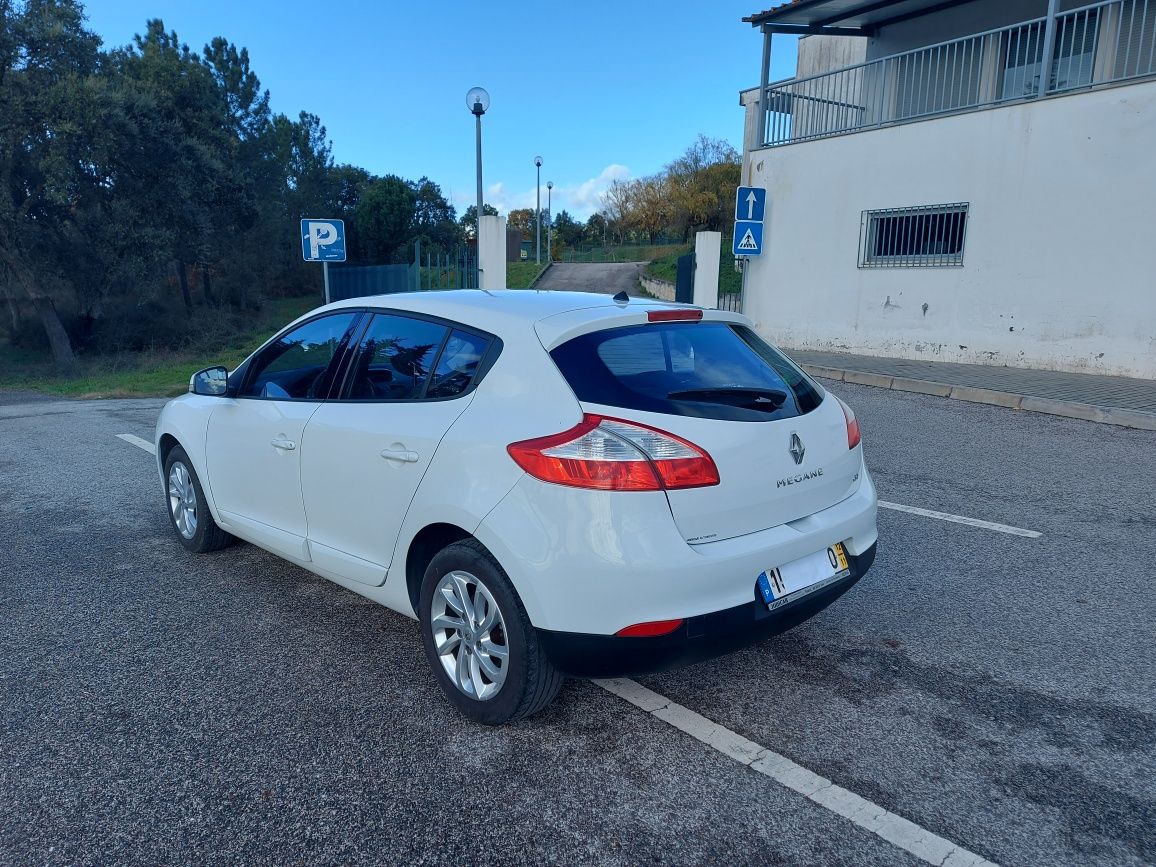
<point x="138" y="442"/>
<point x="871" y="817"/>
<point x="961" y="519"/>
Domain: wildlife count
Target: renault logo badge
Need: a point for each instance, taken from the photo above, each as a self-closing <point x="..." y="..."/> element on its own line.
<point x="796" y="449"/>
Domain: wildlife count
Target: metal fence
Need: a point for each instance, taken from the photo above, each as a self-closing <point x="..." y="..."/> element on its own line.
<point x="1100" y="43"/>
<point x="923" y="237"/>
<point x="457" y="269"/>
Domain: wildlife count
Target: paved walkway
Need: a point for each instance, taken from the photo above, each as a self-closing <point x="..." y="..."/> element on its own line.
<point x="608" y="277"/>
<point x="1113" y="399"/>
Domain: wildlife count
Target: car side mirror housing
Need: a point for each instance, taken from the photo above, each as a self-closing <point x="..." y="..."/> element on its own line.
<point x="210" y="382"/>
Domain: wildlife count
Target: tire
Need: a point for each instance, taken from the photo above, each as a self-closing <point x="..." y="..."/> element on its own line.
<point x="528" y="682"/>
<point x="187" y="507"/>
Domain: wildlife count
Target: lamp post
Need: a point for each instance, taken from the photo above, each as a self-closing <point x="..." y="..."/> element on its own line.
<point x="478" y="101"/>
<point x="550" y="223"/>
<point x="538" y="215"/>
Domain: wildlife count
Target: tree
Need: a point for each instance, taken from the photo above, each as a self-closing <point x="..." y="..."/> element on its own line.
<point x="567" y="229"/>
<point x="45" y="51"/>
<point x="469" y="220"/>
<point x="384" y="219"/>
<point x="434" y="220"/>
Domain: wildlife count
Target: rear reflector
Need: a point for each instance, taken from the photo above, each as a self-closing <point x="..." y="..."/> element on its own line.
<point x="649" y="630"/>
<point x="614" y="455"/>
<point x="692" y="314"/>
<point x="853" y="435"/>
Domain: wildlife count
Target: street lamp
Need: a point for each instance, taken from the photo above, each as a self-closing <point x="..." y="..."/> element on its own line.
<point x="550" y="224"/>
<point x="538" y="216"/>
<point x="477" y="101"/>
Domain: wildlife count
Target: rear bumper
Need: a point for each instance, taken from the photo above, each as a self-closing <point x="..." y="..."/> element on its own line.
<point x="700" y="637"/>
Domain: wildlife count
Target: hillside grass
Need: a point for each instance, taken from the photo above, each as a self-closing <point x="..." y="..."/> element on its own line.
<point x="519" y="275"/>
<point x="729" y="280"/>
<point x="152" y="373"/>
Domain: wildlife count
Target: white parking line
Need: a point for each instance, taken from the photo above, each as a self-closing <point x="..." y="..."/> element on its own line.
<point x="961" y="519"/>
<point x="138" y="442"/>
<point x="871" y="817"/>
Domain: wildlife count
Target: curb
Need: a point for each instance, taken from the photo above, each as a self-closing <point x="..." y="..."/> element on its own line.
<point x="541" y="274"/>
<point x="1129" y="418"/>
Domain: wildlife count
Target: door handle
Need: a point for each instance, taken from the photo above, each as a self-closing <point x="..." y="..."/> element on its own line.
<point x="283" y="444"/>
<point x="401" y="455"/>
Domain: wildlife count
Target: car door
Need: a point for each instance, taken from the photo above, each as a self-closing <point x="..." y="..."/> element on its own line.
<point x="365" y="454"/>
<point x="253" y="439"/>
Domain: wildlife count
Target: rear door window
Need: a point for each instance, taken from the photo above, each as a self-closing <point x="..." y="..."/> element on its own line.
<point x="702" y="369"/>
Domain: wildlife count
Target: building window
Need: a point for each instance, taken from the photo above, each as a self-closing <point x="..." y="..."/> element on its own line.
<point x="924" y="237"/>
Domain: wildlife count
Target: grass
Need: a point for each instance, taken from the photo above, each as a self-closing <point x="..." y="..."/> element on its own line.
<point x="155" y="373"/>
<point x="624" y="253"/>
<point x="519" y="275"/>
<point x="729" y="280"/>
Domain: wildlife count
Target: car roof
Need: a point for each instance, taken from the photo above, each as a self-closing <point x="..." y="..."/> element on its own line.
<point x="497" y="310"/>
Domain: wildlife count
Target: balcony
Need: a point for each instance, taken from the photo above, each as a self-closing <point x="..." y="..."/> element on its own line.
<point x="1093" y="46"/>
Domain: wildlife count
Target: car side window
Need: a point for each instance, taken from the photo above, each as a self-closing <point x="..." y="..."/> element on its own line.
<point x="458" y="364"/>
<point x="394" y="359"/>
<point x="300" y="364"/>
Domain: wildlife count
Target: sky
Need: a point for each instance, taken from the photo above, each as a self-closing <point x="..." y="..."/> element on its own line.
<point x="600" y="90"/>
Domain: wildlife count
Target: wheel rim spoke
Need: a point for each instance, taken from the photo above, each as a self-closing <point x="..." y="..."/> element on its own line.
<point x="464" y="619"/>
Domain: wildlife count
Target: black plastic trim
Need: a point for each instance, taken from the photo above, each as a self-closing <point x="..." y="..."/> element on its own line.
<point x="703" y="637"/>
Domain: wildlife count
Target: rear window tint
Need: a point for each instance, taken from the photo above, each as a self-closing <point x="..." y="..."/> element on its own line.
<point x="704" y="369"/>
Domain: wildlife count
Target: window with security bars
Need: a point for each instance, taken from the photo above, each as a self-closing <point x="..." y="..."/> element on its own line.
<point x="923" y="237"/>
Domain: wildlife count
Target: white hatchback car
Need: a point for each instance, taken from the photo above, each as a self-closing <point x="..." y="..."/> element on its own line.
<point x="553" y="483"/>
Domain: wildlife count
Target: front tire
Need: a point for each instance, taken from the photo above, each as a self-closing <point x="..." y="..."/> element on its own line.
<point x="188" y="510"/>
<point x="479" y="640"/>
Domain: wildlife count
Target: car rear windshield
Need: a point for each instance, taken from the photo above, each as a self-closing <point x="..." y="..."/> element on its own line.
<point x="702" y="369"/>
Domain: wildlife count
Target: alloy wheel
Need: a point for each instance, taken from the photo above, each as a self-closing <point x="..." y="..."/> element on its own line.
<point x="183" y="500"/>
<point x="469" y="633"/>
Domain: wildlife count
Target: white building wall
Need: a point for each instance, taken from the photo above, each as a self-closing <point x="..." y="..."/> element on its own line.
<point x="1060" y="255"/>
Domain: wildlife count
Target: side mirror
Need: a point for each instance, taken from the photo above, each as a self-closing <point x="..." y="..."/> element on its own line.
<point x="211" y="382"/>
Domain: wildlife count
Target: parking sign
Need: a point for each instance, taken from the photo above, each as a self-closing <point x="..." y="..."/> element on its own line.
<point x="323" y="240"/>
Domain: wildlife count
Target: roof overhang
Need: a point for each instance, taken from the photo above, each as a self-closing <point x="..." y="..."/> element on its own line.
<point x="843" y="17"/>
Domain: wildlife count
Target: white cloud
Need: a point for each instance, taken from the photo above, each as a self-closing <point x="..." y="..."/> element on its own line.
<point x="580" y="199"/>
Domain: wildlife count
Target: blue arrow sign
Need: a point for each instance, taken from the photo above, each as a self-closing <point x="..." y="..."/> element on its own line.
<point x="323" y="240"/>
<point x="750" y="204"/>
<point x="748" y="238"/>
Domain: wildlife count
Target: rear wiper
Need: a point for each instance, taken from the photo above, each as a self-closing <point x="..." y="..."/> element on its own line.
<point x="768" y="399"/>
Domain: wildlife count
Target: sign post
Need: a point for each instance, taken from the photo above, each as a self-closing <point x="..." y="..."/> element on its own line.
<point x="750" y="210"/>
<point x="323" y="241"/>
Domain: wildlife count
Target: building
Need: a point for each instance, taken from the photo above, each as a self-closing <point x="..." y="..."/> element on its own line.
<point x="936" y="190"/>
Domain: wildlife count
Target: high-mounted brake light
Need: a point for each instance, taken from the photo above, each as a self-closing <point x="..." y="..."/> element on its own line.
<point x="613" y="455"/>
<point x="692" y="314"/>
<point x="853" y="435"/>
<point x="650" y="630"/>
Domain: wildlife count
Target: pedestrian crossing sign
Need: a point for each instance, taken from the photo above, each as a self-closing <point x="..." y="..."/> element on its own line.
<point x="748" y="238"/>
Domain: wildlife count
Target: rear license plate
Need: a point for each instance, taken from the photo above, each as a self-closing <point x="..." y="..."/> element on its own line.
<point x="784" y="584"/>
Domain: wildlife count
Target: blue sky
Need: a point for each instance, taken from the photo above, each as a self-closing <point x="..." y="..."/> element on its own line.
<point x="599" y="89"/>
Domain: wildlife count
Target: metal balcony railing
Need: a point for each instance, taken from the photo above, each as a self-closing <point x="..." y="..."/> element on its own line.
<point x="1097" y="44"/>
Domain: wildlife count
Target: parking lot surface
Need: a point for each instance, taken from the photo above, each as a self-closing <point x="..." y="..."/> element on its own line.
<point x="996" y="690"/>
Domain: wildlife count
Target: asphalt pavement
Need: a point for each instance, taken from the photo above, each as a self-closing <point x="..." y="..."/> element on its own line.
<point x="161" y="707"/>
<point x="608" y="278"/>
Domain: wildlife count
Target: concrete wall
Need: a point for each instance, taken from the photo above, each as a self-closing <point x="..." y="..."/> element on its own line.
<point x="492" y="252"/>
<point x="818" y="54"/>
<point x="1060" y="258"/>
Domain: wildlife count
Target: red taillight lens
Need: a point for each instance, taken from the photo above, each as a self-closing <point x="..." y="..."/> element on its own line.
<point x="649" y="630"/>
<point x="853" y="435"/>
<point x="692" y="314"/>
<point x="614" y="455"/>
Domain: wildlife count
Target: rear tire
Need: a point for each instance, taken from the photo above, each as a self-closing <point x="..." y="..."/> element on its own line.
<point x="188" y="509"/>
<point x="490" y="664"/>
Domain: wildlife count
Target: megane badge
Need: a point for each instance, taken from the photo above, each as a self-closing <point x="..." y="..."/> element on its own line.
<point x="796" y="448"/>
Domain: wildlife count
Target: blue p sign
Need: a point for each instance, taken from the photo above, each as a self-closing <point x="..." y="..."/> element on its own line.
<point x="323" y="240"/>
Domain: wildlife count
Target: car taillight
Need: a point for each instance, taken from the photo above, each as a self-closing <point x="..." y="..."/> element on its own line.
<point x="853" y="435"/>
<point x="691" y="314"/>
<point x="614" y="455"/>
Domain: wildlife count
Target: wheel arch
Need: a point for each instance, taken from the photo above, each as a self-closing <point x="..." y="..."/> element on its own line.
<point x="422" y="549"/>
